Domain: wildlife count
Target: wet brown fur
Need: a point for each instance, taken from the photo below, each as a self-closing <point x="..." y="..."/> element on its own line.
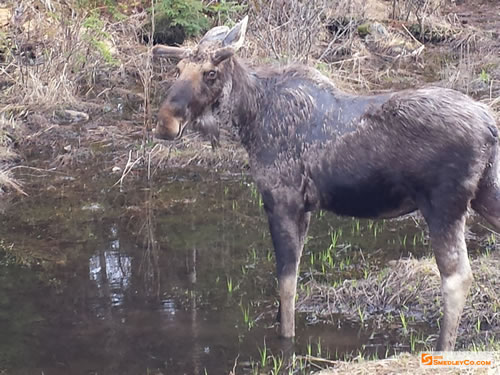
<point x="312" y="146"/>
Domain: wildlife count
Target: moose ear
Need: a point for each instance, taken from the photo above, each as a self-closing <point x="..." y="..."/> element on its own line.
<point x="236" y="37"/>
<point x="215" y="34"/>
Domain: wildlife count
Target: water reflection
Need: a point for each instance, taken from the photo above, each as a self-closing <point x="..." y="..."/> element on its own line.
<point x="149" y="267"/>
<point x="153" y="282"/>
<point x="111" y="271"/>
<point x="146" y="281"/>
<point x="168" y="307"/>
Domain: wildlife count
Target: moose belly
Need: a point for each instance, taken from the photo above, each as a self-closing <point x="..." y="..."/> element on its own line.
<point x="375" y="199"/>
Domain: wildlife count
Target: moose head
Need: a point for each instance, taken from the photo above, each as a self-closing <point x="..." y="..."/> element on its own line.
<point x="204" y="80"/>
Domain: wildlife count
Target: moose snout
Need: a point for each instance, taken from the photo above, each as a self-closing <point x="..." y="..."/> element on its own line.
<point x="174" y="112"/>
<point x="169" y="125"/>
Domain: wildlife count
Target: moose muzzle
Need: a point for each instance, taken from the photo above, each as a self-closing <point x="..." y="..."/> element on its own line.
<point x="175" y="112"/>
<point x="169" y="126"/>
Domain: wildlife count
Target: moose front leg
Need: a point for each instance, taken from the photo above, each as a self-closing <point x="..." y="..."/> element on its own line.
<point x="450" y="250"/>
<point x="288" y="231"/>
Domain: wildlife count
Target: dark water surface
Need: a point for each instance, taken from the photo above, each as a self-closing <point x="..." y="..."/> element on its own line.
<point x="175" y="278"/>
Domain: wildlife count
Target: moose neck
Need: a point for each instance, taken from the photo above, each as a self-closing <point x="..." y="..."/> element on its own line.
<point x="248" y="93"/>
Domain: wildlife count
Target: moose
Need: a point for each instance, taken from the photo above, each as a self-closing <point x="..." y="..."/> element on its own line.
<point x="313" y="146"/>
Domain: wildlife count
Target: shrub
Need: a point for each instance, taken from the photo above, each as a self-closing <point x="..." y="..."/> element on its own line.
<point x="187" y="14"/>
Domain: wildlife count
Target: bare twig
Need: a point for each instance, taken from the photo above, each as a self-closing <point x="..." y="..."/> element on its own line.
<point x="128" y="168"/>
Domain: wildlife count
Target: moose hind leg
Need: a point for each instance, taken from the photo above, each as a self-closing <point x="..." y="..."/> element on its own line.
<point x="450" y="250"/>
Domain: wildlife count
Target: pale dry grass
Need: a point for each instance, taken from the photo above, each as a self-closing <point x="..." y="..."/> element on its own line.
<point x="9" y="183"/>
<point x="64" y="56"/>
<point x="416" y="10"/>
<point x="6" y="154"/>
<point x="41" y="71"/>
<point x="7" y="126"/>
<point x="392" y="55"/>
<point x="194" y="150"/>
<point x="400" y="364"/>
<point x="294" y="31"/>
<point x="330" y="38"/>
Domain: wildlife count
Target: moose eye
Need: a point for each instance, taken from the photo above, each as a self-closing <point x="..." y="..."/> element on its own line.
<point x="211" y="75"/>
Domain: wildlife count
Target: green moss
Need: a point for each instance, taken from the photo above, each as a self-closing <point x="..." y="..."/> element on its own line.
<point x="364" y="30"/>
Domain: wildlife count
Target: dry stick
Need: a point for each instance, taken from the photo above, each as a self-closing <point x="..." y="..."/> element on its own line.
<point x="38" y="169"/>
<point x="192" y="159"/>
<point x="411" y="35"/>
<point x="350" y="59"/>
<point x="147" y="81"/>
<point x="151" y="155"/>
<point x="11" y="183"/>
<point x="149" y="164"/>
<point x="102" y="92"/>
<point x="317" y="359"/>
<point x="233" y="372"/>
<point x="4" y="71"/>
<point x="495" y="102"/>
<point x="491" y="230"/>
<point x="42" y="131"/>
<point x="128" y="168"/>
<point x="335" y="38"/>
<point x="167" y="158"/>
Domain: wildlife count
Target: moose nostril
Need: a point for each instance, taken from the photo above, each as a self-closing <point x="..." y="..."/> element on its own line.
<point x="177" y="106"/>
<point x="177" y="109"/>
<point x="179" y="98"/>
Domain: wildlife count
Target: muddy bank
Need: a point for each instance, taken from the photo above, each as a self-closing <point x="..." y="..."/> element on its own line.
<point x="409" y="290"/>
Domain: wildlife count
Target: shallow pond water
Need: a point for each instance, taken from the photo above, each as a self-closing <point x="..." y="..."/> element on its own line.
<point x="171" y="277"/>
